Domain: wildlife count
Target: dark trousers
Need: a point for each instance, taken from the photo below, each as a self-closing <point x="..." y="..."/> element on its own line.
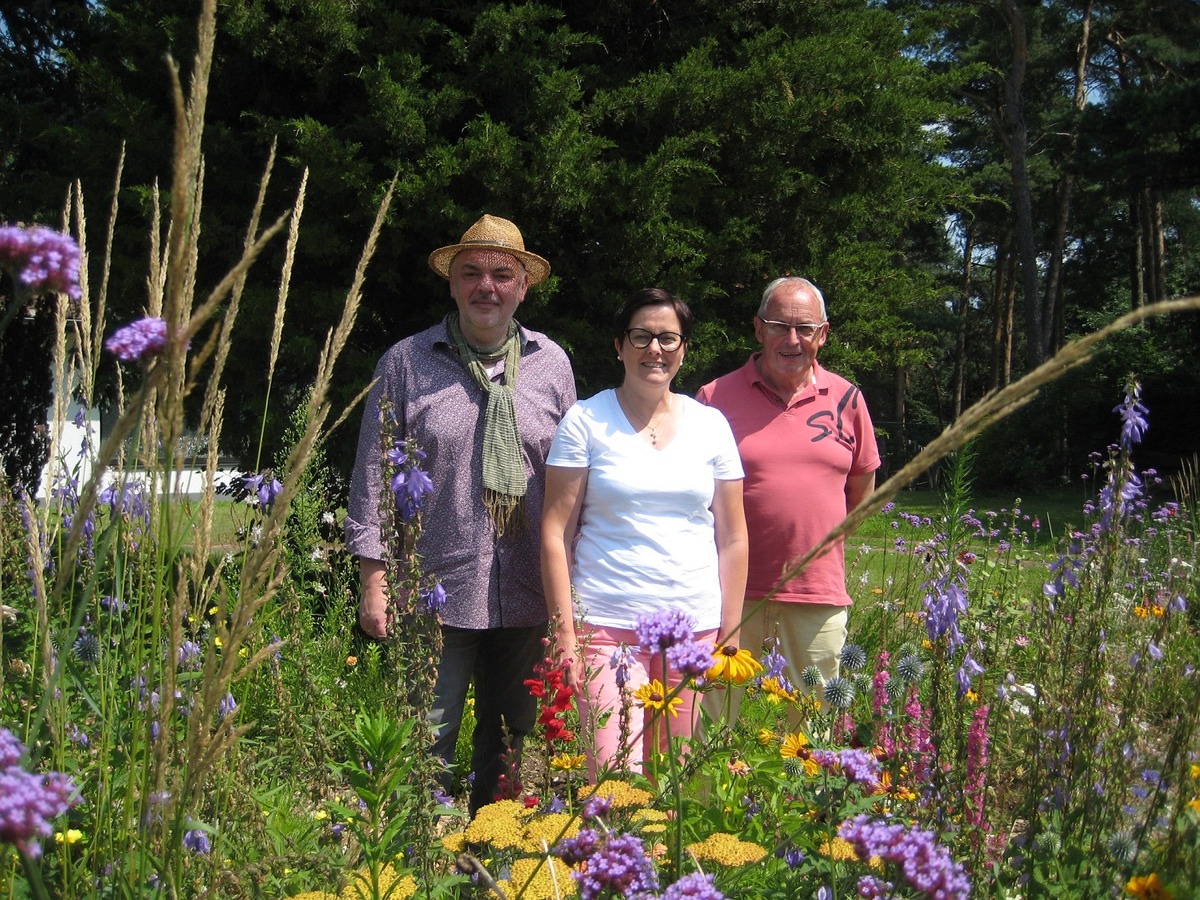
<point x="497" y="660"/>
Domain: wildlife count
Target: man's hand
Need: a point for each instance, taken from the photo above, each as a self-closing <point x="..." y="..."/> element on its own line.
<point x="373" y="598"/>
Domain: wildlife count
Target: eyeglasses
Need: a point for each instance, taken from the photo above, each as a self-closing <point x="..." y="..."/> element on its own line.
<point x="781" y="329"/>
<point x="668" y="341"/>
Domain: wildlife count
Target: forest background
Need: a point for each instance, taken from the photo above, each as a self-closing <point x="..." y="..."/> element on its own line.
<point x="970" y="183"/>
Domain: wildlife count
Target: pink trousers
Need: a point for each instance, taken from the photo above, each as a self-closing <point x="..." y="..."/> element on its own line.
<point x="600" y="701"/>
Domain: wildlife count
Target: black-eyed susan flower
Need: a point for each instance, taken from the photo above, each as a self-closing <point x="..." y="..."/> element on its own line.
<point x="733" y="665"/>
<point x="568" y="762"/>
<point x="654" y="696"/>
<point x="793" y="744"/>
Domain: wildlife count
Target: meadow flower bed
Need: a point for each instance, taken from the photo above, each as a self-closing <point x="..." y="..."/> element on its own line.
<point x="179" y="718"/>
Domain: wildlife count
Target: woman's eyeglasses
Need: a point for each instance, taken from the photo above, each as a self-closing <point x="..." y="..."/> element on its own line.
<point x="667" y="340"/>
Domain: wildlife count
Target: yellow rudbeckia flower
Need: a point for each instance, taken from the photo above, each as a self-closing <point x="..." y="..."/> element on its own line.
<point x="793" y="744"/>
<point x="733" y="665"/>
<point x="568" y="762"/>
<point x="654" y="696"/>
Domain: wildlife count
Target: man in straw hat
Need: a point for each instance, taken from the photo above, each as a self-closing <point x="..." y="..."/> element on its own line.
<point x="482" y="397"/>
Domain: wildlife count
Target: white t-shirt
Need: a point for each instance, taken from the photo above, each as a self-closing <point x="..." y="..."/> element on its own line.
<point x="646" y="540"/>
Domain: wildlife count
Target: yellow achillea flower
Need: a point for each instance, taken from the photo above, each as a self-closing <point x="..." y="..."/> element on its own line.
<point x="1147" y="887"/>
<point x="727" y="850"/>
<point x="649" y="815"/>
<point x="767" y="736"/>
<point x="734" y="665"/>
<point x="838" y="849"/>
<point x="455" y="843"/>
<point x="623" y="794"/>
<point x="500" y="829"/>
<point x="793" y="744"/>
<point x="775" y="692"/>
<point x="539" y="879"/>
<point x="360" y="887"/>
<point x="654" y="696"/>
<point x="568" y="762"/>
<point x="551" y="829"/>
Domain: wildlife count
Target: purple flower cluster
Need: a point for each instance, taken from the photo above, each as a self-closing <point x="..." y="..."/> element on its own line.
<point x="615" y="863"/>
<point x="137" y="340"/>
<point x="659" y="630"/>
<point x="28" y="802"/>
<point x="697" y="885"/>
<point x="265" y="488"/>
<point x="856" y="764"/>
<point x="690" y="658"/>
<point x="41" y="259"/>
<point x="925" y="864"/>
<point x="621" y="660"/>
<point x="1133" y="417"/>
<point x="433" y="599"/>
<point x="197" y="841"/>
<point x="410" y="484"/>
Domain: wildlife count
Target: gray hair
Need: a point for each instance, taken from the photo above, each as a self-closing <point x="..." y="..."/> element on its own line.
<point x="786" y="279"/>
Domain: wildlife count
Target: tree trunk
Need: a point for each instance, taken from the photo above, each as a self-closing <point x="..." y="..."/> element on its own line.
<point x="1016" y="135"/>
<point x="960" y="331"/>
<point x="1051" y="318"/>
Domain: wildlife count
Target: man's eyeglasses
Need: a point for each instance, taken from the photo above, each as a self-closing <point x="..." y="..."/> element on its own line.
<point x="780" y="329"/>
<point x="667" y="340"/>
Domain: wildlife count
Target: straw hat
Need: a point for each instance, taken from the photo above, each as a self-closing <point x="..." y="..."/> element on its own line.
<point x="491" y="233"/>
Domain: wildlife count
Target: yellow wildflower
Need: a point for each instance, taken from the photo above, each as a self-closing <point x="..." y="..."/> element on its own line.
<point x="623" y="794"/>
<point x="876" y="590"/>
<point x="455" y="843"/>
<point x="971" y="697"/>
<point x="727" y="850"/>
<point x="568" y="762"/>
<point x="1141" y="612"/>
<point x="360" y="887"/>
<point x="776" y="693"/>
<point x="1147" y="887"/>
<point x="793" y="744"/>
<point x="551" y="829"/>
<point x="1195" y="770"/>
<point x="839" y="849"/>
<point x="734" y="665"/>
<point x="766" y="736"/>
<point x="70" y="836"/>
<point x="218" y="642"/>
<point x="546" y="878"/>
<point x="654" y="696"/>
<point x="1194" y="804"/>
<point x="1158" y="611"/>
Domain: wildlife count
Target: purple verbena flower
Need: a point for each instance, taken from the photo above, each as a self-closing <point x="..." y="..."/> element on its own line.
<point x="690" y="658"/>
<point x="922" y="861"/>
<point x="41" y="259"/>
<point x="659" y="630"/>
<point x="698" y="885"/>
<point x="137" y="340"/>
<point x="616" y="864"/>
<point x="29" y="802"/>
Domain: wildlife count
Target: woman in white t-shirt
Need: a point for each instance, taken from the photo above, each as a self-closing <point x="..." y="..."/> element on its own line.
<point x="643" y="514"/>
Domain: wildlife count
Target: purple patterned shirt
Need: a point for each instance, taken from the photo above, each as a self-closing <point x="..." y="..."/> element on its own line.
<point x="490" y="582"/>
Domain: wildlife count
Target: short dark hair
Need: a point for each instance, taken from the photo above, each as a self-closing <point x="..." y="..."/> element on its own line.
<point x="653" y="297"/>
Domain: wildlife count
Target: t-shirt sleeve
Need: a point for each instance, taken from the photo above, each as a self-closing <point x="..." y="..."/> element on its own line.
<point x="570" y="446"/>
<point x="727" y="464"/>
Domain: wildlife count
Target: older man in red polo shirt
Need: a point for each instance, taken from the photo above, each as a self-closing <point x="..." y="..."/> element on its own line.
<point x="809" y="451"/>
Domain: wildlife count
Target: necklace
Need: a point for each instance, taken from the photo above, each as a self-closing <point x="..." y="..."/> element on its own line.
<point x="649" y="423"/>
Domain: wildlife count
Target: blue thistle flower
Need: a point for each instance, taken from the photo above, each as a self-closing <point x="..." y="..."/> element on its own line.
<point x="810" y="677"/>
<point x="839" y="692"/>
<point x="853" y="658"/>
<point x="910" y="669"/>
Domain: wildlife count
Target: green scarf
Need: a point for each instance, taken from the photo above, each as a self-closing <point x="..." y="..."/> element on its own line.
<point x="504" y="481"/>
